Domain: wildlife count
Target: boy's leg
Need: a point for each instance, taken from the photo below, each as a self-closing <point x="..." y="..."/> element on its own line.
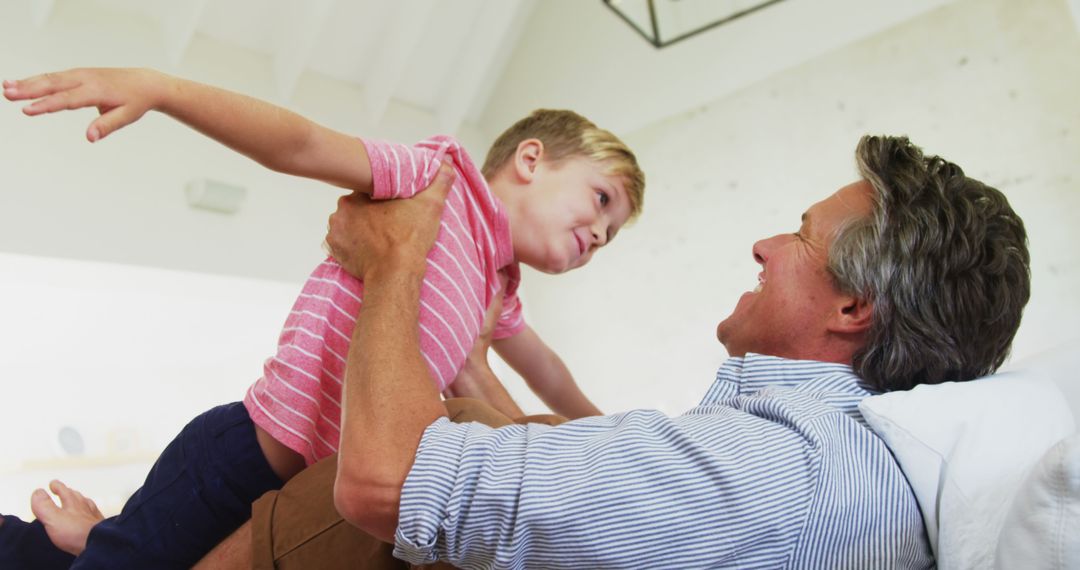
<point x="26" y="545"/>
<point x="198" y="492"/>
<point x="299" y="527"/>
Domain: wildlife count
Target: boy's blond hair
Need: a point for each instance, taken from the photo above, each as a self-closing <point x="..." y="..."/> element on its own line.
<point x="566" y="134"/>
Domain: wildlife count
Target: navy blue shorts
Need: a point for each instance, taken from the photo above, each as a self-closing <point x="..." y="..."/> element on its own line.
<point x="25" y="546"/>
<point x="199" y="491"/>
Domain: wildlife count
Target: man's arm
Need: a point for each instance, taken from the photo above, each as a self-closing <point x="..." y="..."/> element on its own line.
<point x="545" y="373"/>
<point x="389" y="398"/>
<point x="272" y="136"/>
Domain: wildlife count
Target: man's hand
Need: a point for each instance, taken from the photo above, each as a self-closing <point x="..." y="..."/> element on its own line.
<point x="121" y="96"/>
<point x="366" y="236"/>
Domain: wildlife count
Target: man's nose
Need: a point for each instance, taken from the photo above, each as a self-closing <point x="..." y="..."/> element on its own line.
<point x="763" y="249"/>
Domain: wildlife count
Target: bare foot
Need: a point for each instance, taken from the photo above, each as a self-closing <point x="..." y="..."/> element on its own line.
<point x="69" y="524"/>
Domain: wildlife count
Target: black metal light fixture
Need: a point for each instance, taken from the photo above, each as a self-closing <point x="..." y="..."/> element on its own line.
<point x="664" y="22"/>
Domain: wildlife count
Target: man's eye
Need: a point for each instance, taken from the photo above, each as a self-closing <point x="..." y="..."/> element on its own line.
<point x="604" y="199"/>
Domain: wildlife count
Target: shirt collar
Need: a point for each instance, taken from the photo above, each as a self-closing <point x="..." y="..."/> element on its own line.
<point x="745" y="375"/>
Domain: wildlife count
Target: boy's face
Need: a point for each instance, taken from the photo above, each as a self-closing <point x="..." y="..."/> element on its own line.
<point x="571" y="209"/>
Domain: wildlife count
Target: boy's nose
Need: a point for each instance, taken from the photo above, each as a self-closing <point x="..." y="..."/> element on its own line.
<point x="599" y="234"/>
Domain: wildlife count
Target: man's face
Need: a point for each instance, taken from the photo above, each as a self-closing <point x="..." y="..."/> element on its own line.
<point x="788" y="314"/>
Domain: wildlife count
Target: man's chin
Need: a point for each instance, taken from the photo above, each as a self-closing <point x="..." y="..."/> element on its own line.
<point x="726" y="334"/>
<point x="722" y="331"/>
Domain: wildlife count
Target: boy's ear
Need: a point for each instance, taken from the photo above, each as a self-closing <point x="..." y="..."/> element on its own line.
<point x="527" y="158"/>
<point x="852" y="315"/>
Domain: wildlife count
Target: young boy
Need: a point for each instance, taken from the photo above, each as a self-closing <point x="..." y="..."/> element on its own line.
<point x="553" y="189"/>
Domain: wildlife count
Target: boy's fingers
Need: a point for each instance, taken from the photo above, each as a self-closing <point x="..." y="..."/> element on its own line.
<point x="11" y="93"/>
<point x="41" y="85"/>
<point x="63" y="101"/>
<point x="109" y="122"/>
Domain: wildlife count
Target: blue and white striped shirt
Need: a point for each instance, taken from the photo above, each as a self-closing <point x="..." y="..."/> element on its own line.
<point x="774" y="469"/>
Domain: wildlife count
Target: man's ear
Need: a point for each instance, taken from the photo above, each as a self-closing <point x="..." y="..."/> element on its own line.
<point x="852" y="315"/>
<point x="527" y="158"/>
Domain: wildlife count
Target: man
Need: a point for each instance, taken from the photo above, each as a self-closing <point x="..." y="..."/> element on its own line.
<point x="914" y="274"/>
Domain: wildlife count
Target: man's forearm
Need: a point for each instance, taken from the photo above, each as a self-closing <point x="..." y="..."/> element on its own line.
<point x="389" y="401"/>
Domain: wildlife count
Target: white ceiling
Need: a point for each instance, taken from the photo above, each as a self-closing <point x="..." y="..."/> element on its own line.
<point x="488" y="62"/>
<point x="578" y="55"/>
<point x="441" y="56"/>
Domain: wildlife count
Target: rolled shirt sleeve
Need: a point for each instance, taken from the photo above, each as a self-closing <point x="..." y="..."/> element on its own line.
<point x="636" y="489"/>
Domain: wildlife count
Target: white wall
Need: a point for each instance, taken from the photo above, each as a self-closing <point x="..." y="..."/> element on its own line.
<point x="990" y="84"/>
<point x="123" y="355"/>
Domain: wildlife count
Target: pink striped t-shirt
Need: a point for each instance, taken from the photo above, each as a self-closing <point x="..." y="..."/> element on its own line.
<point x="298" y="399"/>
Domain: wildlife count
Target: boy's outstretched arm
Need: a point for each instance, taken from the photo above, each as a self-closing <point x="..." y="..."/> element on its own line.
<point x="272" y="136"/>
<point x="545" y="373"/>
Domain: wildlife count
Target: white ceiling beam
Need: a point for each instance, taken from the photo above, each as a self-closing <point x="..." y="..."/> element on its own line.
<point x="180" y="19"/>
<point x="482" y="59"/>
<point x="405" y="26"/>
<point x="299" y="25"/>
<point x="42" y="9"/>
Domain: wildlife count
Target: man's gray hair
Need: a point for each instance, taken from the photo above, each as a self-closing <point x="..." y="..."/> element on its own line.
<point x="944" y="260"/>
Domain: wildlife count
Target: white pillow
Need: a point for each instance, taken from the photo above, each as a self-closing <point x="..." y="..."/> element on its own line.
<point x="1042" y="529"/>
<point x="965" y="447"/>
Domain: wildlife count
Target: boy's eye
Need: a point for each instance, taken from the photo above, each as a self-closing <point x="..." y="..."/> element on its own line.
<point x="604" y="199"/>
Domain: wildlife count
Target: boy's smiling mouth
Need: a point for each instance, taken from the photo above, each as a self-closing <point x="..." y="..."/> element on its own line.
<point x="581" y="244"/>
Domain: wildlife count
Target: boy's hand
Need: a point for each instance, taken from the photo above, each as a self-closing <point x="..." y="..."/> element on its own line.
<point x="491" y="318"/>
<point x="121" y="96"/>
<point x="364" y="235"/>
<point x="476" y="379"/>
<point x="475" y="371"/>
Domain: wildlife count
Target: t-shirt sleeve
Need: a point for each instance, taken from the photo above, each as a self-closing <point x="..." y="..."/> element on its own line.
<point x="401" y="171"/>
<point x="511" y="321"/>
<point x="638" y="489"/>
